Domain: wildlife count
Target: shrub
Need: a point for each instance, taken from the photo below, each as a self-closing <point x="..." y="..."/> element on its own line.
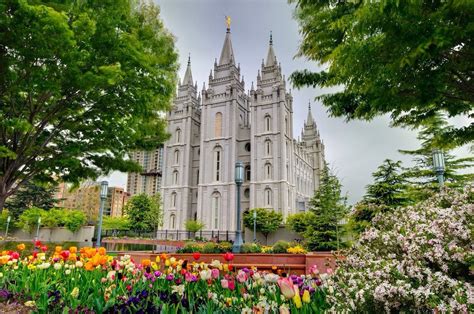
<point x="280" y="246"/>
<point x="267" y="221"/>
<point x="190" y="247"/>
<point x="296" y="249"/>
<point x="115" y="223"/>
<point x="210" y="247"/>
<point x="193" y="225"/>
<point x="414" y="259"/>
<point x="73" y="220"/>
<point x="251" y="248"/>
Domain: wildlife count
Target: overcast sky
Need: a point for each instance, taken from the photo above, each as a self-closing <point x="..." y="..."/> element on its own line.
<point x="354" y="150"/>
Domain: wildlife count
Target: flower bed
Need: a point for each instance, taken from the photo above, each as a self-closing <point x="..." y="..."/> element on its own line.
<point x="90" y="280"/>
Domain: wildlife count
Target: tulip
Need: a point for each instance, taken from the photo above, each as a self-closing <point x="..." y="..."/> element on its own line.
<point x="205" y="274"/>
<point x="44" y="248"/>
<point x="20" y="247"/>
<point x="196" y="255"/>
<point x="231" y="285"/>
<point x="225" y="283"/>
<point x="297" y="297"/>
<point x="228" y="256"/>
<point x="306" y="297"/>
<point x="284" y="309"/>
<point x="242" y="276"/>
<point x="286" y="287"/>
<point x="215" y="273"/>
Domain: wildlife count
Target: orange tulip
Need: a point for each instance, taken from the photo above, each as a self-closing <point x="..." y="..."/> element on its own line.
<point x="102" y="251"/>
<point x="58" y="249"/>
<point x="20" y="247"/>
<point x="146" y="262"/>
<point x="286" y="287"/>
<point x="73" y="249"/>
<point x="89" y="266"/>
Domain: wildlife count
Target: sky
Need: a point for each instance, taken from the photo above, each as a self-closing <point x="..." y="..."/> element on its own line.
<point x="354" y="150"/>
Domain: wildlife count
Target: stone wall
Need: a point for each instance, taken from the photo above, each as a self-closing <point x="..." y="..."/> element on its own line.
<point x="59" y="234"/>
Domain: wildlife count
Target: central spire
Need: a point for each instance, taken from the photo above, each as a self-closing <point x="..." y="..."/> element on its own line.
<point x="188" y="76"/>
<point x="271" y="59"/>
<point x="309" y="119"/>
<point x="227" y="54"/>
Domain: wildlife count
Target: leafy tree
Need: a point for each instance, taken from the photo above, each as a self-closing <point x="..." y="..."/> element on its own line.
<point x="115" y="223"/>
<point x="82" y="83"/>
<point x="320" y="226"/>
<point x="388" y="191"/>
<point x="268" y="221"/>
<point x="31" y="195"/>
<point x="144" y="212"/>
<point x="73" y="220"/>
<point x="409" y="59"/>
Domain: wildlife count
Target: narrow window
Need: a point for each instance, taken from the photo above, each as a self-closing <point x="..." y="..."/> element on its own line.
<point x="268" y="122"/>
<point x="173" y="200"/>
<point x="178" y="135"/>
<point x="176" y="156"/>
<point x="215" y="210"/>
<point x="268" y="147"/>
<point x="175" y="177"/>
<point x="247" y="173"/>
<point x="268" y="171"/>
<point x="268" y="197"/>
<point x="217" y="164"/>
<point x="172" y="221"/>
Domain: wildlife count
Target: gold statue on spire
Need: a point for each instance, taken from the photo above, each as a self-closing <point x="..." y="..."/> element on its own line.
<point x="227" y="21"/>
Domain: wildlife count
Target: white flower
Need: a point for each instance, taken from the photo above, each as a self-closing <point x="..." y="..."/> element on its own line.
<point x="205" y="274"/>
<point x="79" y="264"/>
<point x="67" y="272"/>
<point x="57" y="266"/>
<point x="178" y="289"/>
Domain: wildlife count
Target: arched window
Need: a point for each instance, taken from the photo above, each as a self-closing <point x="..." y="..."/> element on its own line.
<point x="268" y="122"/>
<point x="247" y="173"/>
<point x="178" y="135"/>
<point x="173" y="199"/>
<point x="175" y="177"/>
<point x="217" y="163"/>
<point x="218" y="125"/>
<point x="268" y="170"/>
<point x="286" y="125"/>
<point x="268" y="197"/>
<point x="176" y="156"/>
<point x="268" y="147"/>
<point x="172" y="221"/>
<point x="215" y="206"/>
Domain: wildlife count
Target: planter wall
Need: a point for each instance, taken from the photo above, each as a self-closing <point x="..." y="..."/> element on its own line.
<point x="289" y="263"/>
<point x="59" y="234"/>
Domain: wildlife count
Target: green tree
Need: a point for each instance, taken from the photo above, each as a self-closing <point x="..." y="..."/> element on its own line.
<point x="115" y="223"/>
<point x="388" y="191"/>
<point x="321" y="225"/>
<point x="268" y="221"/>
<point x="31" y="195"/>
<point x="144" y="212"/>
<point x="82" y="83"/>
<point x="193" y="226"/>
<point x="409" y="59"/>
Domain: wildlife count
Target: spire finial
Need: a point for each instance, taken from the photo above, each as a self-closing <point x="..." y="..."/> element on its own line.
<point x="309" y="105"/>
<point x="271" y="38"/>
<point x="227" y="22"/>
<point x="189" y="59"/>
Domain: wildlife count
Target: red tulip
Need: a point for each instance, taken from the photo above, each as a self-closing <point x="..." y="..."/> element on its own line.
<point x="37" y="243"/>
<point x="228" y="256"/>
<point x="65" y="254"/>
<point x="196" y="255"/>
<point x="15" y="255"/>
<point x="44" y="248"/>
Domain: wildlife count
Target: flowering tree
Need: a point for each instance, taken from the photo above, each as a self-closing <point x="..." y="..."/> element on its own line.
<point x="413" y="258"/>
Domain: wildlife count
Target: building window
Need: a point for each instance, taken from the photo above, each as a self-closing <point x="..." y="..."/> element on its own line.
<point x="247" y="193"/>
<point x="176" y="156"/>
<point x="175" y="177"/>
<point x="218" y="125"/>
<point x="172" y="221"/>
<point x="178" y="135"/>
<point x="173" y="199"/>
<point x="216" y="199"/>
<point x="247" y="173"/>
<point x="268" y="171"/>
<point x="268" y="122"/>
<point x="268" y="147"/>
<point x="217" y="163"/>
<point x="247" y="147"/>
<point x="197" y="176"/>
<point x="286" y="125"/>
<point x="268" y="197"/>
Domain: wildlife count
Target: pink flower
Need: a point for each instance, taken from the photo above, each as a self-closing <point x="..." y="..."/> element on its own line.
<point x="314" y="270"/>
<point x="225" y="283"/>
<point x="215" y="273"/>
<point x="286" y="287"/>
<point x="231" y="285"/>
<point x="329" y="271"/>
<point x="242" y="276"/>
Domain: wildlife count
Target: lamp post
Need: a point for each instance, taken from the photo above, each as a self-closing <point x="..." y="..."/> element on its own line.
<point x="438" y="166"/>
<point x="104" y="186"/>
<point x="239" y="179"/>
<point x="254" y="225"/>
<point x="8" y="223"/>
<point x="38" y="229"/>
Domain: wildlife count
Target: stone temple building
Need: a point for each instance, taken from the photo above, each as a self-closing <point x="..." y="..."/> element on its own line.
<point x="213" y="129"/>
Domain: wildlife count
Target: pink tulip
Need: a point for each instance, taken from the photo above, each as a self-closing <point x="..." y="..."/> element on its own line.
<point x="242" y="276"/>
<point x="225" y="283"/>
<point x="286" y="287"/>
<point x="215" y="273"/>
<point x="231" y="285"/>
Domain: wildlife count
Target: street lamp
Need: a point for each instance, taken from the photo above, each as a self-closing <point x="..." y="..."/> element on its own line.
<point x="239" y="179"/>
<point x="8" y="223"/>
<point x="38" y="228"/>
<point x="438" y="165"/>
<point x="104" y="187"/>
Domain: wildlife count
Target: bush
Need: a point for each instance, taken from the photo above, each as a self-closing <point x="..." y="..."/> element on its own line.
<point x="73" y="220"/>
<point x="251" y="248"/>
<point x="281" y="246"/>
<point x="210" y="247"/>
<point x="415" y="259"/>
<point x="190" y="247"/>
<point x="115" y="223"/>
<point x="193" y="225"/>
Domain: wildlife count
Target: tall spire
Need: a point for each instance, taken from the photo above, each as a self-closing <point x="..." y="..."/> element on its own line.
<point x="188" y="76"/>
<point x="271" y="54"/>
<point x="227" y="54"/>
<point x="309" y="119"/>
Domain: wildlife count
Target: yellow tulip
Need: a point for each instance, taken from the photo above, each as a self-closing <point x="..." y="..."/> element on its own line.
<point x="157" y="259"/>
<point x="297" y="298"/>
<point x="306" y="297"/>
<point x="167" y="263"/>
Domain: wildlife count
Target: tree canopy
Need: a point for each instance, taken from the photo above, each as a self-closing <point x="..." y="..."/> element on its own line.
<point x="82" y="83"/>
<point x="32" y="195"/>
<point x="410" y="60"/>
<point x="144" y="212"/>
<point x="267" y="221"/>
